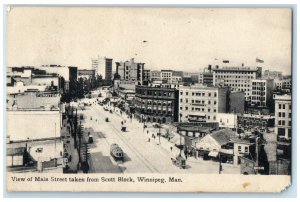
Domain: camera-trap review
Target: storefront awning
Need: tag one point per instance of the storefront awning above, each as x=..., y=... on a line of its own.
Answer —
x=213, y=153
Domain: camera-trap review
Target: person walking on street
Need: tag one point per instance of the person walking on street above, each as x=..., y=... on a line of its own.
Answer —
x=171, y=148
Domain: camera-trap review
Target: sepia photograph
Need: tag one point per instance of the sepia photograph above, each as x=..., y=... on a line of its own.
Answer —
x=148, y=98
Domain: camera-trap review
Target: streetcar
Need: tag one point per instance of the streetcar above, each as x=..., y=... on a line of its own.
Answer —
x=116, y=152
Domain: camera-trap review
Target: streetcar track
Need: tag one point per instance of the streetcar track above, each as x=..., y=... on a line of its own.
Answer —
x=138, y=154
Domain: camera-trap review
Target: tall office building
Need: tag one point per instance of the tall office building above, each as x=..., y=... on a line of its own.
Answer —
x=283, y=115
x=108, y=68
x=96, y=65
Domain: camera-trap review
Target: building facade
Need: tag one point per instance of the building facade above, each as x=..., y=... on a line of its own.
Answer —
x=250, y=122
x=156, y=104
x=262, y=93
x=108, y=68
x=283, y=115
x=199, y=103
x=130, y=71
x=237, y=78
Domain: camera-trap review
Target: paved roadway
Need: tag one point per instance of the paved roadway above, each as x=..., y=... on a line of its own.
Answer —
x=141, y=156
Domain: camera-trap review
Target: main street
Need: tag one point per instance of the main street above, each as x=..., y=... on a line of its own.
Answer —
x=141, y=156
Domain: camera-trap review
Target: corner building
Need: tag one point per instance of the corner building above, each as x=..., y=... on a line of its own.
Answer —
x=154, y=104
x=199, y=103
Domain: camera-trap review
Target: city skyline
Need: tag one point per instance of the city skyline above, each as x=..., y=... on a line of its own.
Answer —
x=162, y=38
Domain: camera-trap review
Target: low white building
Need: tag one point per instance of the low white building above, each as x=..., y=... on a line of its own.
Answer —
x=25, y=125
x=227, y=120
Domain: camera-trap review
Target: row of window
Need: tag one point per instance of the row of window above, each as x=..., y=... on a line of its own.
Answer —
x=235, y=72
x=282, y=123
x=199, y=101
x=199, y=109
x=240, y=149
x=282, y=114
x=258, y=93
x=156, y=111
x=200, y=94
x=258, y=98
x=283, y=106
x=156, y=93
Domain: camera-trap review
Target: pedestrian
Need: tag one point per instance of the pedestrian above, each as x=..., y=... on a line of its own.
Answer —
x=147, y=131
x=149, y=139
x=171, y=148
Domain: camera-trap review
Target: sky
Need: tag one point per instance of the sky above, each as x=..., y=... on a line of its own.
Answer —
x=186, y=39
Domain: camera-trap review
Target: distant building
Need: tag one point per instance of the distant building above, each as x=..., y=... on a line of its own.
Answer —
x=237, y=78
x=62, y=71
x=272, y=75
x=283, y=115
x=131, y=71
x=146, y=76
x=262, y=93
x=201, y=103
x=251, y=122
x=108, y=68
x=95, y=64
x=85, y=73
x=156, y=104
x=73, y=79
x=227, y=120
x=155, y=75
x=237, y=102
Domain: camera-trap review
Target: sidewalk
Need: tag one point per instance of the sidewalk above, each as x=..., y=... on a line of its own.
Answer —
x=69, y=147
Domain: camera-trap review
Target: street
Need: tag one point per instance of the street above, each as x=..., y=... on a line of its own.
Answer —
x=141, y=156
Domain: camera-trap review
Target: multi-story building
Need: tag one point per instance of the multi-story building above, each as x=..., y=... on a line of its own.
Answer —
x=130, y=71
x=202, y=103
x=237, y=78
x=156, y=104
x=108, y=68
x=262, y=93
x=146, y=76
x=283, y=115
x=95, y=64
x=169, y=76
x=85, y=73
x=155, y=75
x=272, y=75
x=237, y=102
x=250, y=122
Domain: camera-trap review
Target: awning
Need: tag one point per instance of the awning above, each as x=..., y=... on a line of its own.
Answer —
x=213, y=153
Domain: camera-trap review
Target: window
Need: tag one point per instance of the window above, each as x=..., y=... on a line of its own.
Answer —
x=283, y=114
x=283, y=122
x=279, y=122
x=246, y=149
x=279, y=106
x=187, y=93
x=239, y=148
x=283, y=106
x=186, y=108
x=279, y=114
x=290, y=115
